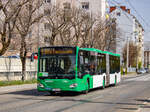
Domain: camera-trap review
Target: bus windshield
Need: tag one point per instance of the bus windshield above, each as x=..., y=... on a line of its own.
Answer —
x=58, y=65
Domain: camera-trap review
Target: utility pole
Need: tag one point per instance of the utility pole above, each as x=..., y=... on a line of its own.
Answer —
x=38, y=43
x=91, y=31
x=127, y=53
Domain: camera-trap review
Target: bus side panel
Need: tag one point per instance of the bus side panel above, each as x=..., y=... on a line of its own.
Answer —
x=118, y=77
x=98, y=81
x=112, y=78
x=85, y=83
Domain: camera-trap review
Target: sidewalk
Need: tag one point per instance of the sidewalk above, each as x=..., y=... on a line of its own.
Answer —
x=7, y=89
x=129, y=75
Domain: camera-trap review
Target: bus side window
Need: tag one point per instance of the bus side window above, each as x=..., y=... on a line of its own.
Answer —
x=101, y=67
x=81, y=64
x=98, y=66
x=92, y=66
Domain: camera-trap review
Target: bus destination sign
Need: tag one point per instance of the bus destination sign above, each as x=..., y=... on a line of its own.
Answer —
x=56, y=51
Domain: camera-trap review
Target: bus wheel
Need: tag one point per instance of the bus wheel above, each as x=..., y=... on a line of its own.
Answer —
x=88, y=85
x=103, y=83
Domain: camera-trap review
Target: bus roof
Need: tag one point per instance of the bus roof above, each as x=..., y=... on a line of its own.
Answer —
x=58, y=47
x=86, y=49
x=99, y=51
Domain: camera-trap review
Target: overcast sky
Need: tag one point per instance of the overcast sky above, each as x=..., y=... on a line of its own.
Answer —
x=138, y=8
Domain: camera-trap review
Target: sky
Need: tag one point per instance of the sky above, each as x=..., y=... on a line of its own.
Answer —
x=140, y=9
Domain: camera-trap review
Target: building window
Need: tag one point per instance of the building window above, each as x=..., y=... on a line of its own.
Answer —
x=118, y=14
x=67, y=5
x=46, y=11
x=85, y=5
x=46, y=26
x=47, y=1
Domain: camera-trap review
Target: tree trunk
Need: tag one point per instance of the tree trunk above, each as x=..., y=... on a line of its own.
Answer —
x=5, y=44
x=23, y=61
x=23, y=53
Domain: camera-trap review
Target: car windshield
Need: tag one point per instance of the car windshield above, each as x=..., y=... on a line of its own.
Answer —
x=58, y=65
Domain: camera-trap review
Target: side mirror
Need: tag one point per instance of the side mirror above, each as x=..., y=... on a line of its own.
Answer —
x=32, y=57
x=79, y=75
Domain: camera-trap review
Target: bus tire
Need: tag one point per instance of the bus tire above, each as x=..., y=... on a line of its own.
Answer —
x=103, y=83
x=88, y=85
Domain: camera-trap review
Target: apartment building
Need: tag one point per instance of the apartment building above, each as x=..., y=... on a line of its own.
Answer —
x=130, y=31
x=147, y=54
x=97, y=8
x=139, y=37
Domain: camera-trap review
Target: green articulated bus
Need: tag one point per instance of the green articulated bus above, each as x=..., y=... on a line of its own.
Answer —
x=64, y=68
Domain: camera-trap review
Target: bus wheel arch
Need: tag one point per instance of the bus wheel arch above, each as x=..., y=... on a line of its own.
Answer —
x=87, y=86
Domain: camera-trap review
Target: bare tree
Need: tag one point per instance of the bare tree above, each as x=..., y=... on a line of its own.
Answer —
x=55, y=22
x=106, y=35
x=28, y=16
x=87, y=38
x=133, y=52
x=9, y=10
x=78, y=26
x=110, y=35
x=99, y=35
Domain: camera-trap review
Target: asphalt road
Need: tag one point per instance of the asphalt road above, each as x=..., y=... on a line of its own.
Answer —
x=131, y=95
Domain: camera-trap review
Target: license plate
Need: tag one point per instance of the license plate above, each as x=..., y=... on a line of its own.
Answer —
x=57, y=89
x=48, y=88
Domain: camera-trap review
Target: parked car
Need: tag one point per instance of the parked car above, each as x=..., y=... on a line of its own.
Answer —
x=141, y=71
x=147, y=70
x=14, y=56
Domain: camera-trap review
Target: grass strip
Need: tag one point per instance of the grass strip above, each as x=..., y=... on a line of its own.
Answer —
x=17, y=82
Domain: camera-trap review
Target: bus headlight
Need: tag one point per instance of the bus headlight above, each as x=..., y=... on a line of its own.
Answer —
x=73, y=85
x=40, y=85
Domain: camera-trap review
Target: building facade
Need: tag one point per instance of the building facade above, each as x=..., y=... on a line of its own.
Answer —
x=96, y=8
x=147, y=54
x=130, y=31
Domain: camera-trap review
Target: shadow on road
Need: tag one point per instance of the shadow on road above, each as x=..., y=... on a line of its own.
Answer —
x=31, y=92
x=128, y=108
x=144, y=101
x=34, y=92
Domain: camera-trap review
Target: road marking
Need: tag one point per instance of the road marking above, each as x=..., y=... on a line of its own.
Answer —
x=142, y=78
